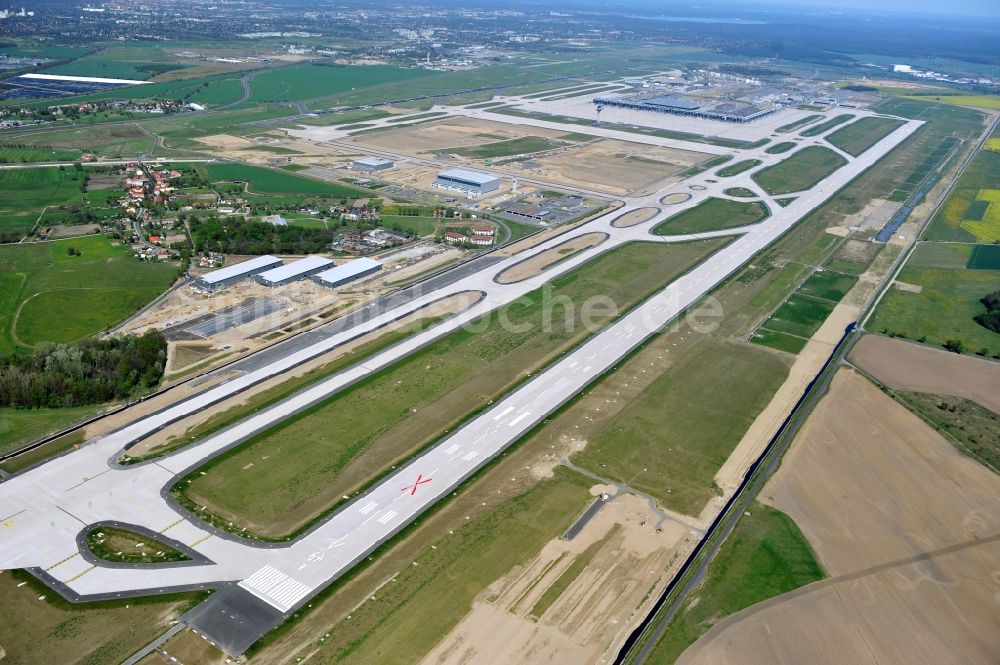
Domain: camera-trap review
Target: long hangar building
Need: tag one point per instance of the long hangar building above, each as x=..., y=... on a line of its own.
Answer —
x=293, y=271
x=470, y=183
x=220, y=279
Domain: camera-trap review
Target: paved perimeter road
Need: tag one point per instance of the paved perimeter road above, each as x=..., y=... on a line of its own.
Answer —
x=42, y=510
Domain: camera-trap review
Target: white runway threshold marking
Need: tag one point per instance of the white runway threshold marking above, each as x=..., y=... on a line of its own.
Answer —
x=275, y=587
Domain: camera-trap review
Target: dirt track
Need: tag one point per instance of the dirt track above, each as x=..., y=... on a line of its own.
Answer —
x=903, y=365
x=907, y=527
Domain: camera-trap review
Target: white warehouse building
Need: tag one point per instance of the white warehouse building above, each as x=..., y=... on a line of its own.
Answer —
x=220, y=279
x=294, y=271
x=470, y=183
x=370, y=164
x=347, y=272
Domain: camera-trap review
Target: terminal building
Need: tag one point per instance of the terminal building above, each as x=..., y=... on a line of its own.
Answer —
x=220, y=279
x=348, y=272
x=726, y=112
x=371, y=164
x=293, y=271
x=470, y=183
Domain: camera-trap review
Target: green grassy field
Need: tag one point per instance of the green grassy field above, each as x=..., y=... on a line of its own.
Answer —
x=984, y=257
x=64, y=298
x=859, y=136
x=779, y=148
x=671, y=440
x=56, y=631
x=428, y=599
x=20, y=426
x=737, y=168
x=216, y=93
x=336, y=447
x=309, y=81
x=420, y=226
x=765, y=556
x=778, y=341
x=948, y=299
x=828, y=285
x=802, y=170
x=27, y=191
x=266, y=181
x=12, y=154
x=816, y=130
x=800, y=315
x=801, y=122
x=522, y=145
x=713, y=214
x=740, y=192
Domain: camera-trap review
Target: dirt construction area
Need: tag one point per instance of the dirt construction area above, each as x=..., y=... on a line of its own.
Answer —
x=904, y=365
x=577, y=598
x=540, y=262
x=458, y=132
x=906, y=527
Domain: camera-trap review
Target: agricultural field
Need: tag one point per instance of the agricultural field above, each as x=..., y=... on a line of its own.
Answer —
x=799, y=172
x=828, y=285
x=800, y=316
x=53, y=630
x=991, y=102
x=309, y=81
x=217, y=93
x=359, y=432
x=765, y=556
x=713, y=214
x=737, y=168
x=15, y=154
x=418, y=226
x=859, y=136
x=944, y=302
x=48, y=295
x=267, y=181
x=972, y=211
x=119, y=140
x=816, y=130
x=974, y=428
x=27, y=192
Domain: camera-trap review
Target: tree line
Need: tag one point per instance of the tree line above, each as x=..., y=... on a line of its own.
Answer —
x=90, y=372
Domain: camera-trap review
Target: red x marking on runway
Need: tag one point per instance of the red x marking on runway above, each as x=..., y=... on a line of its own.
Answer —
x=420, y=481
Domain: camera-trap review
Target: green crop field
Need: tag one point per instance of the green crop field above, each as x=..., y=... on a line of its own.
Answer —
x=711, y=215
x=801, y=122
x=266, y=181
x=690, y=419
x=984, y=257
x=962, y=217
x=778, y=340
x=800, y=315
x=737, y=168
x=524, y=144
x=309, y=81
x=223, y=91
x=117, y=69
x=816, y=130
x=859, y=136
x=765, y=556
x=334, y=448
x=800, y=171
x=828, y=285
x=779, y=148
x=947, y=302
x=48, y=295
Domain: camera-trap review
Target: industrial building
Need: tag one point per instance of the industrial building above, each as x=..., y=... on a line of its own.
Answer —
x=220, y=279
x=370, y=164
x=294, y=271
x=471, y=183
x=533, y=212
x=348, y=272
x=726, y=111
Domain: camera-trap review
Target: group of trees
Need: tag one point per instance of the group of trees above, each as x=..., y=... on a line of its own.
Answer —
x=990, y=319
x=90, y=372
x=235, y=235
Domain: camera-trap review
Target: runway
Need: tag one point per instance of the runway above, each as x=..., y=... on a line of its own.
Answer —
x=43, y=509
